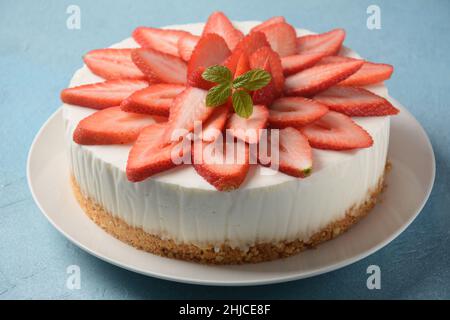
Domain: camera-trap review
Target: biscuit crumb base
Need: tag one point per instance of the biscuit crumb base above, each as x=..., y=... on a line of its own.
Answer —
x=142, y=240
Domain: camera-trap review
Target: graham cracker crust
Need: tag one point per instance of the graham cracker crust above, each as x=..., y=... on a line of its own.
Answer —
x=142, y=240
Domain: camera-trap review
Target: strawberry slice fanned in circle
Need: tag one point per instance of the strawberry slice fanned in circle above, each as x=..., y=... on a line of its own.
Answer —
x=249, y=130
x=102, y=95
x=319, y=78
x=210, y=161
x=355, y=102
x=210, y=50
x=242, y=65
x=219, y=24
x=282, y=38
x=148, y=157
x=154, y=100
x=268, y=22
x=213, y=127
x=295, y=63
x=336, y=131
x=160, y=67
x=163, y=40
x=186, y=46
x=265, y=58
x=188, y=108
x=293, y=153
x=112, y=64
x=370, y=72
x=328, y=43
x=252, y=42
x=295, y=112
x=112, y=126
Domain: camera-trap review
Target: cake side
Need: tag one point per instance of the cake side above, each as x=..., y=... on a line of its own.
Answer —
x=223, y=253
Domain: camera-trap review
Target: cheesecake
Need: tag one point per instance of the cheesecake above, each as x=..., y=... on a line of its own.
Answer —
x=329, y=106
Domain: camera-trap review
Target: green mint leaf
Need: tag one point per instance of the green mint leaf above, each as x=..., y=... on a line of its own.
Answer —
x=217, y=74
x=218, y=95
x=240, y=81
x=242, y=103
x=253, y=80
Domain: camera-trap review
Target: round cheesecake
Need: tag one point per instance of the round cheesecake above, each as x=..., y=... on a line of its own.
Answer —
x=272, y=215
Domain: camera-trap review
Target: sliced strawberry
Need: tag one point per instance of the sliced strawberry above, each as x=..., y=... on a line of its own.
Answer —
x=334, y=59
x=370, y=72
x=282, y=38
x=266, y=95
x=242, y=66
x=154, y=100
x=336, y=131
x=294, y=154
x=160, y=67
x=265, y=58
x=186, y=46
x=267, y=23
x=252, y=42
x=328, y=43
x=295, y=112
x=195, y=79
x=232, y=61
x=159, y=39
x=215, y=124
x=210, y=161
x=102, y=95
x=261, y=60
x=355, y=102
x=218, y=23
x=210, y=50
x=147, y=157
x=111, y=126
x=112, y=64
x=249, y=130
x=299, y=62
x=188, y=108
x=238, y=62
x=319, y=78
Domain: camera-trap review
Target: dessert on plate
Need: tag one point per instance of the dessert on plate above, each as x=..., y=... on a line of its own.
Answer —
x=227, y=142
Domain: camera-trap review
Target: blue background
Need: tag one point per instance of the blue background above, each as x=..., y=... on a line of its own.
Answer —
x=38, y=55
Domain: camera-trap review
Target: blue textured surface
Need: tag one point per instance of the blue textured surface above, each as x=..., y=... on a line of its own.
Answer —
x=38, y=55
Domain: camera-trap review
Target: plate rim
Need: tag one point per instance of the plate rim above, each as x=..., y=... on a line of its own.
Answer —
x=271, y=280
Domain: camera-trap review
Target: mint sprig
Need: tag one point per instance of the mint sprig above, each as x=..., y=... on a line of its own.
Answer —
x=239, y=89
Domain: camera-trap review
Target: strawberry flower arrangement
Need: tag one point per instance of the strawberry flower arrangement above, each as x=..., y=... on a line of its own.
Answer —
x=268, y=80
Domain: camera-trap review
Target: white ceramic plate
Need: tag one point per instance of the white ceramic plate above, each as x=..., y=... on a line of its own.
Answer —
x=409, y=185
